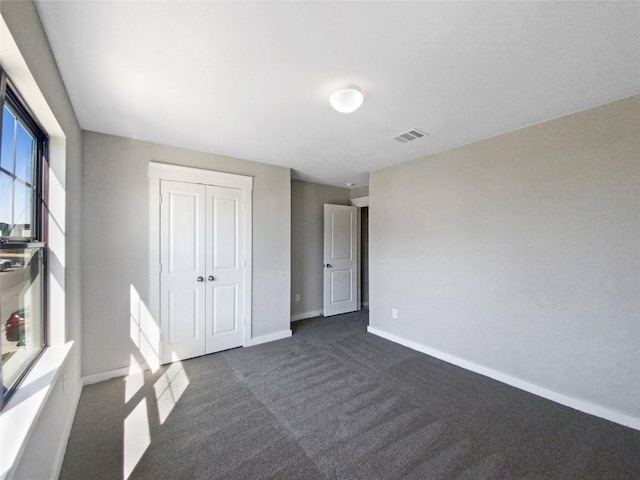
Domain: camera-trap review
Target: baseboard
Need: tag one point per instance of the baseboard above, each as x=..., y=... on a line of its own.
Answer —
x=303, y=315
x=66, y=432
x=271, y=337
x=577, y=404
x=108, y=375
x=124, y=371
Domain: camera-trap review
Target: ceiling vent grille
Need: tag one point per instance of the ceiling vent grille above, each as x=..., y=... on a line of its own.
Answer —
x=410, y=135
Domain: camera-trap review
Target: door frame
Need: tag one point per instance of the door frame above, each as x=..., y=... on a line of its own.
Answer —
x=164, y=171
x=360, y=202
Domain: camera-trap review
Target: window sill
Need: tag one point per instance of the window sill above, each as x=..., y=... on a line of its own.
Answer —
x=21, y=413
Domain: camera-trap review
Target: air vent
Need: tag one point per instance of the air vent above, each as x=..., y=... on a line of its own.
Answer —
x=410, y=135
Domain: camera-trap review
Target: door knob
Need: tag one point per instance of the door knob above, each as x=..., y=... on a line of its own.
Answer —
x=201, y=279
x=211, y=279
x=328, y=265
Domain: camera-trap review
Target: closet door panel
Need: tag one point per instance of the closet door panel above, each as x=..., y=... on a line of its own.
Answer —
x=224, y=302
x=225, y=233
x=225, y=268
x=183, y=253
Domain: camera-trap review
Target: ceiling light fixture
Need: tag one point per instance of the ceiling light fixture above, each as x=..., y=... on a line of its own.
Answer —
x=347, y=100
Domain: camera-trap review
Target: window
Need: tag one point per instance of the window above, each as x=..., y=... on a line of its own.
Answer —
x=23, y=211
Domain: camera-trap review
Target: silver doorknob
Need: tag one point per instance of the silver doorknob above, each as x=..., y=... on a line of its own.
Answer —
x=211, y=279
x=201, y=279
x=328, y=265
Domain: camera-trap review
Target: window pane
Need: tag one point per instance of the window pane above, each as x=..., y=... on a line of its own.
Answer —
x=22, y=267
x=25, y=149
x=22, y=210
x=21, y=294
x=8, y=132
x=6, y=204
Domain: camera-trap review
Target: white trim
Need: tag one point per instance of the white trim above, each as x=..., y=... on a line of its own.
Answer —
x=23, y=409
x=66, y=433
x=179, y=173
x=575, y=403
x=303, y=315
x=17, y=69
x=163, y=171
x=360, y=201
x=270, y=337
x=248, y=267
x=110, y=374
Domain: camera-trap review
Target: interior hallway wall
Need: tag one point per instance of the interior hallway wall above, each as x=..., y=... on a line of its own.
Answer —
x=116, y=234
x=521, y=254
x=307, y=240
x=356, y=192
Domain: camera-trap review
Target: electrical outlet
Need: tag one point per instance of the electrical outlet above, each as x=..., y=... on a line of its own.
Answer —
x=297, y=297
x=394, y=313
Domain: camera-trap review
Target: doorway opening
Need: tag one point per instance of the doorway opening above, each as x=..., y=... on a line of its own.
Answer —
x=364, y=257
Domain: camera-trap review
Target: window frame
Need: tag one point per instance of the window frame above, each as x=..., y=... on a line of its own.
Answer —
x=10, y=96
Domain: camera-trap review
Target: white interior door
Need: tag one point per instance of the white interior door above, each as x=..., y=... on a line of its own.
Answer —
x=225, y=268
x=340, y=259
x=199, y=260
x=182, y=282
x=203, y=265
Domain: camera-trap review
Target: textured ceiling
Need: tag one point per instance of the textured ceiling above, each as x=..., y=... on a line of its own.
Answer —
x=252, y=80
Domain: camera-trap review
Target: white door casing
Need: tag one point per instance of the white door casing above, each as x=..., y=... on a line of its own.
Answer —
x=340, y=259
x=216, y=313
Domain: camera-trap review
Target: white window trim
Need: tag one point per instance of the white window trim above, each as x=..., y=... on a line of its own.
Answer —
x=20, y=415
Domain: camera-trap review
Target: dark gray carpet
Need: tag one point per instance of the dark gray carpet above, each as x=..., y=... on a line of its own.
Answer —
x=334, y=402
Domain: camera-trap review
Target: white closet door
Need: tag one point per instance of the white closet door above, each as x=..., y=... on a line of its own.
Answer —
x=225, y=234
x=182, y=279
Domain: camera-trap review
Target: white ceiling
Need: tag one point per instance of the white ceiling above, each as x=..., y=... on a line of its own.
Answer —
x=252, y=80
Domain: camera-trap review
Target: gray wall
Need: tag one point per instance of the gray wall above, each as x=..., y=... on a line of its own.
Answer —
x=356, y=192
x=116, y=235
x=49, y=434
x=521, y=253
x=307, y=238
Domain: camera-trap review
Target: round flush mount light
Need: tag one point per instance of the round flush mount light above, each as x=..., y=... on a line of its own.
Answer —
x=347, y=100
